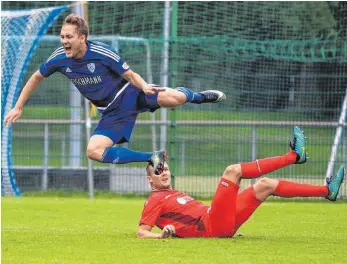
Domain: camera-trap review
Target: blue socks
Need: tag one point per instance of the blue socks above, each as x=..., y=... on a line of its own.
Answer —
x=192, y=97
x=117, y=155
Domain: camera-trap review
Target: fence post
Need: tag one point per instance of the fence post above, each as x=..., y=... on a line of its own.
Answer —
x=44, y=181
x=174, y=146
x=164, y=80
x=75, y=107
x=63, y=151
x=183, y=158
x=254, y=146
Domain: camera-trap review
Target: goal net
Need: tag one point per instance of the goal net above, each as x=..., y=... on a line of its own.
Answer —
x=20, y=33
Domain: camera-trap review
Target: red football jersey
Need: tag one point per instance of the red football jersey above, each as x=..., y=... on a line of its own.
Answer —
x=174, y=208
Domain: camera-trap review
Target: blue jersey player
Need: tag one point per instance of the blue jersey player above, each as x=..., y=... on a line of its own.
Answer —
x=119, y=93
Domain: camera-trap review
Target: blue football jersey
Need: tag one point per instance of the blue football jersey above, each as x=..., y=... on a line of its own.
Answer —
x=97, y=75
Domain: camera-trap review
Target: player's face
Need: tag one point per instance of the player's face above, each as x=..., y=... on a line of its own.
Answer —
x=162, y=181
x=73, y=43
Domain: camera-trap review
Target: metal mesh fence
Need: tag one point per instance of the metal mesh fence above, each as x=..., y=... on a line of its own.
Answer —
x=276, y=61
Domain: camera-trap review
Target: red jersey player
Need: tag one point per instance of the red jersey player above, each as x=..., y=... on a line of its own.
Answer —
x=178, y=214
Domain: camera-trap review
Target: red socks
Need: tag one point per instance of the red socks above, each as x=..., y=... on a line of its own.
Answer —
x=260, y=167
x=292, y=189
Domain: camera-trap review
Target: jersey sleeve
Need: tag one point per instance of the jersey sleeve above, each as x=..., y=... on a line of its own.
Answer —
x=50, y=66
x=115, y=62
x=47, y=68
x=151, y=212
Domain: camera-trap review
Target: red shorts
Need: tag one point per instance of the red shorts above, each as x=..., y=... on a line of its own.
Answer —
x=229, y=210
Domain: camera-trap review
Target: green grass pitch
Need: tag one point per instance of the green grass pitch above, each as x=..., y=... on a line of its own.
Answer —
x=78, y=230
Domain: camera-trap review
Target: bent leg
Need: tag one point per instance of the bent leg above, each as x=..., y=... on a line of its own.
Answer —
x=246, y=204
x=97, y=145
x=222, y=211
x=251, y=198
x=100, y=148
x=223, y=207
x=115, y=127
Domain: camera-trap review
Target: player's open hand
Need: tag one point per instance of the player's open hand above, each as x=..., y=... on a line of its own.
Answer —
x=168, y=231
x=153, y=89
x=12, y=116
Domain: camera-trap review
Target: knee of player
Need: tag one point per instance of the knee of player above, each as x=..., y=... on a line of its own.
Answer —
x=94, y=152
x=179, y=97
x=266, y=184
x=233, y=171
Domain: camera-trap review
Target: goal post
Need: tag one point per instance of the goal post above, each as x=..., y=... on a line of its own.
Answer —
x=337, y=139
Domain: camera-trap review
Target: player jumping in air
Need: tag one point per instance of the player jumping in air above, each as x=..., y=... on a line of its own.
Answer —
x=119, y=93
x=178, y=214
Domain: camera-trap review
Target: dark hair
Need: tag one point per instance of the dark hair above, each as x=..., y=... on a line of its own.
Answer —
x=149, y=169
x=78, y=21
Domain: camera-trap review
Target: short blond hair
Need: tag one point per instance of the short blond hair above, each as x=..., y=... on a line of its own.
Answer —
x=78, y=21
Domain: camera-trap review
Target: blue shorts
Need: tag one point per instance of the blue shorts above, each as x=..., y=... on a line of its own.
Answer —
x=118, y=120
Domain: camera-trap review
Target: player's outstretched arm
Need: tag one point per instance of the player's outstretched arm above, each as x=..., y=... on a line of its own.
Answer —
x=145, y=232
x=28, y=89
x=136, y=80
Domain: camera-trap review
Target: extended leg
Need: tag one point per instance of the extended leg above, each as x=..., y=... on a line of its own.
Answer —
x=260, y=167
x=250, y=199
x=181, y=95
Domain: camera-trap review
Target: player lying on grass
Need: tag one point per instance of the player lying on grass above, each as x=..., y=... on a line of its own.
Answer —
x=178, y=214
x=118, y=92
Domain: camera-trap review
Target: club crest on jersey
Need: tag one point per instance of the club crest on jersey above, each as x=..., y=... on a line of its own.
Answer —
x=91, y=67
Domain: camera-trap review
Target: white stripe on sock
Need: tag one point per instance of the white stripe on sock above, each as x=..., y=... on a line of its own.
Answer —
x=258, y=166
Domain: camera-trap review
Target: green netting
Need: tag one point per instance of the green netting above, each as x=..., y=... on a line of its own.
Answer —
x=276, y=61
